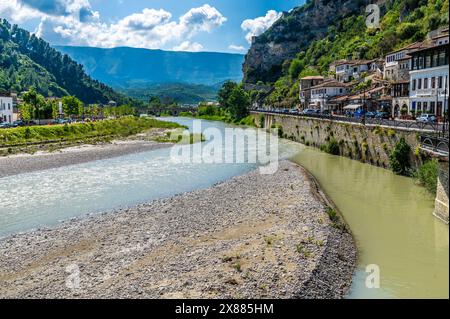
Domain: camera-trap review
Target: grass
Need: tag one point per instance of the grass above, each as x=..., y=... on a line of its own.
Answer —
x=177, y=136
x=109, y=128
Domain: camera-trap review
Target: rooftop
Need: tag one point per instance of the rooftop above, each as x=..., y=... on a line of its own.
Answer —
x=330, y=83
x=313, y=77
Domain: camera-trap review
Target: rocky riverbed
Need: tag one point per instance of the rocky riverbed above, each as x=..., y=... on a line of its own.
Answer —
x=255, y=236
x=65, y=155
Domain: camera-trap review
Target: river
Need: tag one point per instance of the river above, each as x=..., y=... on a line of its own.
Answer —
x=390, y=217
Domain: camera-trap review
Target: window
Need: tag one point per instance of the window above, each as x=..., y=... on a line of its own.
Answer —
x=440, y=82
x=419, y=106
x=425, y=83
x=419, y=85
x=414, y=84
x=433, y=82
x=433, y=107
x=442, y=58
x=428, y=61
x=421, y=62
x=425, y=106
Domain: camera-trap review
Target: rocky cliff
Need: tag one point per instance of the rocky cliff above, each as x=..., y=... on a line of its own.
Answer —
x=292, y=33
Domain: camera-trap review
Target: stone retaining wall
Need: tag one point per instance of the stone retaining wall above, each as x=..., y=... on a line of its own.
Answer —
x=441, y=207
x=370, y=144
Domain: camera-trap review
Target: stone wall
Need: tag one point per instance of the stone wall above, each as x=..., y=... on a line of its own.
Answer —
x=369, y=144
x=441, y=207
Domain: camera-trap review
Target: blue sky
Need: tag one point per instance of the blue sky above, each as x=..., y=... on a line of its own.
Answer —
x=189, y=25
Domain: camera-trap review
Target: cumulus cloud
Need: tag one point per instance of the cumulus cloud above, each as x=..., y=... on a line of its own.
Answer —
x=255, y=27
x=188, y=46
x=73, y=22
x=238, y=48
x=82, y=8
x=146, y=20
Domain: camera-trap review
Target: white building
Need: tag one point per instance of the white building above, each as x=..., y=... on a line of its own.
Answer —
x=347, y=70
x=6, y=109
x=396, y=65
x=322, y=93
x=344, y=71
x=429, y=87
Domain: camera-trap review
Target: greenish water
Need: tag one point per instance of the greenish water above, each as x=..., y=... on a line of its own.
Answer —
x=392, y=222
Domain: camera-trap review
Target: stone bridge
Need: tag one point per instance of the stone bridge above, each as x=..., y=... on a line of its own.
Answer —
x=173, y=111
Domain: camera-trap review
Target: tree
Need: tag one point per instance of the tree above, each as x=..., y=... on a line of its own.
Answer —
x=399, y=158
x=225, y=93
x=34, y=102
x=71, y=105
x=239, y=103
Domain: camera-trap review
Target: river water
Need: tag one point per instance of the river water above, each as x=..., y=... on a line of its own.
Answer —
x=390, y=217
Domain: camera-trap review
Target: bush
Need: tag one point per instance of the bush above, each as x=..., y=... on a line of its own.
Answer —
x=399, y=158
x=332, y=147
x=427, y=175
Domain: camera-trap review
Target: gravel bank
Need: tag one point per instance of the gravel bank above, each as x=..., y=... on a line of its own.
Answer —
x=255, y=236
x=26, y=163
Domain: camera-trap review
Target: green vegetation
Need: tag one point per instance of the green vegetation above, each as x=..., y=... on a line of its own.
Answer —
x=399, y=158
x=332, y=147
x=235, y=100
x=111, y=128
x=402, y=22
x=427, y=175
x=173, y=92
x=332, y=214
x=27, y=61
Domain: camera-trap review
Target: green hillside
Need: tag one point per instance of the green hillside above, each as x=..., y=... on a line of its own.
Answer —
x=402, y=22
x=26, y=60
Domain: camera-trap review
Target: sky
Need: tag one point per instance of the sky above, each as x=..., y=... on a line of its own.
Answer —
x=180, y=25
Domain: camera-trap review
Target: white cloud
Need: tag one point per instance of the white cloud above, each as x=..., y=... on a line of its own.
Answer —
x=147, y=20
x=73, y=22
x=188, y=46
x=255, y=27
x=234, y=47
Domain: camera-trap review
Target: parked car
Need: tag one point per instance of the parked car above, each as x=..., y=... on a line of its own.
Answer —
x=382, y=115
x=293, y=111
x=371, y=115
x=309, y=112
x=19, y=123
x=427, y=118
x=5, y=125
x=359, y=113
x=61, y=121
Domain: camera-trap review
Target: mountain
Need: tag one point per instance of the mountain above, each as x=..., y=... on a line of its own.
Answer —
x=125, y=67
x=26, y=60
x=310, y=37
x=292, y=33
x=182, y=93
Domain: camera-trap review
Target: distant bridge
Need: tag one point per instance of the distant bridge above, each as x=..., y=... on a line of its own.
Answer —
x=173, y=111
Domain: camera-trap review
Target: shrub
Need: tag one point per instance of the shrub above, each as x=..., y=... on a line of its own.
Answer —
x=399, y=158
x=333, y=147
x=427, y=175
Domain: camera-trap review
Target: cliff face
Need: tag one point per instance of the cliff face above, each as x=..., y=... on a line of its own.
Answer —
x=292, y=33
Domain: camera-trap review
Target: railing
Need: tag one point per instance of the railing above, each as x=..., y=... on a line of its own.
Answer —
x=437, y=143
x=422, y=126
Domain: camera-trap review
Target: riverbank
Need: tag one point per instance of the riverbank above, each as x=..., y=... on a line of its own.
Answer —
x=82, y=153
x=255, y=236
x=49, y=138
